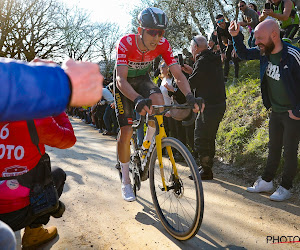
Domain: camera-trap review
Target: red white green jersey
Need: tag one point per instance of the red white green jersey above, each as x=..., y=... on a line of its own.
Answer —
x=139, y=62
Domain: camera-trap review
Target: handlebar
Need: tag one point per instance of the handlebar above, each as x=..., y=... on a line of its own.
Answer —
x=156, y=108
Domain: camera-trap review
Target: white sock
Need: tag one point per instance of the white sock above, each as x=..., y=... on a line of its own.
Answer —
x=125, y=173
x=149, y=135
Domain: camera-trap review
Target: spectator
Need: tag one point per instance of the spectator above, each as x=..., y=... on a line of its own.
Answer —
x=166, y=83
x=207, y=78
x=101, y=107
x=280, y=87
x=285, y=12
x=250, y=18
x=26, y=169
x=225, y=42
x=51, y=97
x=109, y=114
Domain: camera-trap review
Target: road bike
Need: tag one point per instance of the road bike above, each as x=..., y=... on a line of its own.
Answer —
x=178, y=199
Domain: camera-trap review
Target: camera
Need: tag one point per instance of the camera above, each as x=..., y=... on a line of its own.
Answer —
x=267, y=6
x=180, y=59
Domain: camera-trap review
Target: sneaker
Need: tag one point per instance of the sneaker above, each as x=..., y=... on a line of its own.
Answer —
x=281, y=194
x=206, y=174
x=107, y=133
x=127, y=192
x=261, y=186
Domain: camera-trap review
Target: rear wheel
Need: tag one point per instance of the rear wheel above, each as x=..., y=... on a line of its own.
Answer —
x=180, y=208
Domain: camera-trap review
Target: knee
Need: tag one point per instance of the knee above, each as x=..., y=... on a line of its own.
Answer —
x=59, y=175
x=125, y=134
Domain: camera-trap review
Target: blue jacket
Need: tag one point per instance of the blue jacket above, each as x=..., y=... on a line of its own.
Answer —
x=289, y=69
x=28, y=91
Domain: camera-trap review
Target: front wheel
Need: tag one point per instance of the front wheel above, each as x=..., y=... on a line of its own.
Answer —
x=180, y=208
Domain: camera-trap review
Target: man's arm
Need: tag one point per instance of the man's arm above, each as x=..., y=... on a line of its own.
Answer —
x=288, y=5
x=38, y=90
x=184, y=86
x=180, y=79
x=197, y=74
x=123, y=85
x=238, y=43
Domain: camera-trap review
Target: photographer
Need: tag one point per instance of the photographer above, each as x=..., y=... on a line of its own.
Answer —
x=285, y=12
x=206, y=77
x=26, y=174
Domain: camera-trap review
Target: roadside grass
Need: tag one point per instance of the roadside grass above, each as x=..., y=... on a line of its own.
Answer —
x=242, y=139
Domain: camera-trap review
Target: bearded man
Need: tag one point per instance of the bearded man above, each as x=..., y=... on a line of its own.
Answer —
x=280, y=87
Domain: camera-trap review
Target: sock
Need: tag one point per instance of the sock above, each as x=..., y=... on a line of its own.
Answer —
x=148, y=137
x=125, y=173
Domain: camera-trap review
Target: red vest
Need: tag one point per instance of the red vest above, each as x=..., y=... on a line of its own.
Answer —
x=18, y=154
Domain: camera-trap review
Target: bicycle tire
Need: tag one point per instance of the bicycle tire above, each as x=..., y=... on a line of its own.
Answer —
x=190, y=204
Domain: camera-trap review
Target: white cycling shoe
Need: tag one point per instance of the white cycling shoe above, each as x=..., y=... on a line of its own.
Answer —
x=127, y=192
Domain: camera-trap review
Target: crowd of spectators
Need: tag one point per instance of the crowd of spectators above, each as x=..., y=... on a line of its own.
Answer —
x=102, y=115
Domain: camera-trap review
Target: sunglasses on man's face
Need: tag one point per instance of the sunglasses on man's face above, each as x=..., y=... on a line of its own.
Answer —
x=241, y=6
x=221, y=21
x=153, y=32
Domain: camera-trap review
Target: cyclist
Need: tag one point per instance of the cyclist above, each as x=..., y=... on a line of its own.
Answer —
x=134, y=88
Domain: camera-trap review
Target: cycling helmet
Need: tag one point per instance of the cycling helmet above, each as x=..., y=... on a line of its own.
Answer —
x=153, y=18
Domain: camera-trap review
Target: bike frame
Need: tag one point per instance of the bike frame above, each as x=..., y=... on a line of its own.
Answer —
x=158, y=140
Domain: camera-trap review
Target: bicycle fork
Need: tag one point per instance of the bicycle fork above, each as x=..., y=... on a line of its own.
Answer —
x=158, y=140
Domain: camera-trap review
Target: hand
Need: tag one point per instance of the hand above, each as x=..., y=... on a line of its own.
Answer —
x=292, y=116
x=112, y=105
x=223, y=57
x=168, y=114
x=86, y=81
x=232, y=31
x=141, y=105
x=187, y=69
x=191, y=100
x=169, y=87
x=233, y=54
x=268, y=12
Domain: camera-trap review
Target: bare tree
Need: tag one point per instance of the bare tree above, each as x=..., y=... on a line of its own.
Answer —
x=108, y=34
x=79, y=34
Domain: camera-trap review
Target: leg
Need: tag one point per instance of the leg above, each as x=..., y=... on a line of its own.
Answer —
x=275, y=146
x=123, y=146
x=205, y=135
x=106, y=118
x=291, y=136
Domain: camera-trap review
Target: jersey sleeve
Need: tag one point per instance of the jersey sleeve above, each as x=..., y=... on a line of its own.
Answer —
x=167, y=52
x=122, y=51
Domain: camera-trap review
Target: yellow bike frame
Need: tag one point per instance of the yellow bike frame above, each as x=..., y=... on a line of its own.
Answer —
x=158, y=140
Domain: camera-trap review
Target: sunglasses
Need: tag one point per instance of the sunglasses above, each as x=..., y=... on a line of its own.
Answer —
x=220, y=21
x=153, y=32
x=241, y=6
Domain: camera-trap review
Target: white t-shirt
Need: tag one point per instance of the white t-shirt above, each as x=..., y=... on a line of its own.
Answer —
x=164, y=90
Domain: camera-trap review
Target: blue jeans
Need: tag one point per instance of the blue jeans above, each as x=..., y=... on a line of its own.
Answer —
x=283, y=132
x=110, y=117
